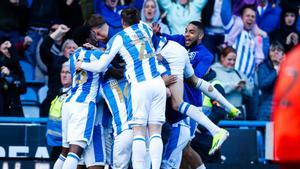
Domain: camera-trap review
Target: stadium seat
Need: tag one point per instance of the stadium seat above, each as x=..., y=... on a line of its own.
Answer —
x=42, y=93
x=30, y=103
x=28, y=70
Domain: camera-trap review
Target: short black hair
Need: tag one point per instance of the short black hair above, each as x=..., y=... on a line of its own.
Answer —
x=131, y=16
x=95, y=20
x=249, y=6
x=198, y=24
x=277, y=45
x=81, y=34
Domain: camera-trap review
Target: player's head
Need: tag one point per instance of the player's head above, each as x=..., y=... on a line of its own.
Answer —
x=193, y=33
x=99, y=26
x=130, y=16
x=84, y=34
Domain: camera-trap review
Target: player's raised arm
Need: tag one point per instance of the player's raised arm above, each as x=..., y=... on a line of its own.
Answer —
x=100, y=65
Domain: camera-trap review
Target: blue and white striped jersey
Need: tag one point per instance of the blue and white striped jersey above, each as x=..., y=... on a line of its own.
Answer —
x=85, y=84
x=245, y=46
x=135, y=47
x=117, y=96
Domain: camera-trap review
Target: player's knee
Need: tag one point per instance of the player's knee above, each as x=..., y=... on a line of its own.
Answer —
x=65, y=151
x=77, y=149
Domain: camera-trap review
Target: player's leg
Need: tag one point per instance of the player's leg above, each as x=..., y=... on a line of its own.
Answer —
x=189, y=109
x=155, y=145
x=139, y=146
x=192, y=157
x=94, y=154
x=220, y=135
x=141, y=101
x=180, y=136
x=73, y=157
x=65, y=145
x=211, y=92
x=122, y=147
x=80, y=130
x=155, y=121
x=61, y=159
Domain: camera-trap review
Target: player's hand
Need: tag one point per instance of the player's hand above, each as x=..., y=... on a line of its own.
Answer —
x=78, y=65
x=5, y=70
x=155, y=28
x=89, y=46
x=170, y=79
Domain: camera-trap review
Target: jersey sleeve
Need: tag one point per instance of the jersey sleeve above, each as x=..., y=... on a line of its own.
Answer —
x=113, y=47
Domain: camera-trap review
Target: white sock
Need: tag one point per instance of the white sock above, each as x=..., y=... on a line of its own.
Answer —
x=201, y=167
x=196, y=114
x=156, y=149
x=59, y=162
x=214, y=94
x=71, y=161
x=138, y=152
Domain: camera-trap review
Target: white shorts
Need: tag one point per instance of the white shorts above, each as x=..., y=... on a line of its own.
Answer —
x=94, y=154
x=148, y=102
x=78, y=122
x=179, y=138
x=122, y=149
x=178, y=60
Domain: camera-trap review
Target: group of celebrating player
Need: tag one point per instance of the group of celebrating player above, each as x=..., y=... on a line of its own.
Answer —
x=155, y=68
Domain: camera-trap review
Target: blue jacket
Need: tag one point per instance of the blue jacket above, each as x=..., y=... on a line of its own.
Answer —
x=270, y=18
x=267, y=76
x=113, y=17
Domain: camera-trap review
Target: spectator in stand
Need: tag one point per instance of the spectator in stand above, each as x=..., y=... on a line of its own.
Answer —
x=287, y=34
x=53, y=63
x=267, y=76
x=234, y=82
x=268, y=15
x=214, y=29
x=54, y=129
x=42, y=13
x=12, y=81
x=110, y=10
x=247, y=39
x=181, y=12
x=151, y=15
x=12, y=20
x=71, y=13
